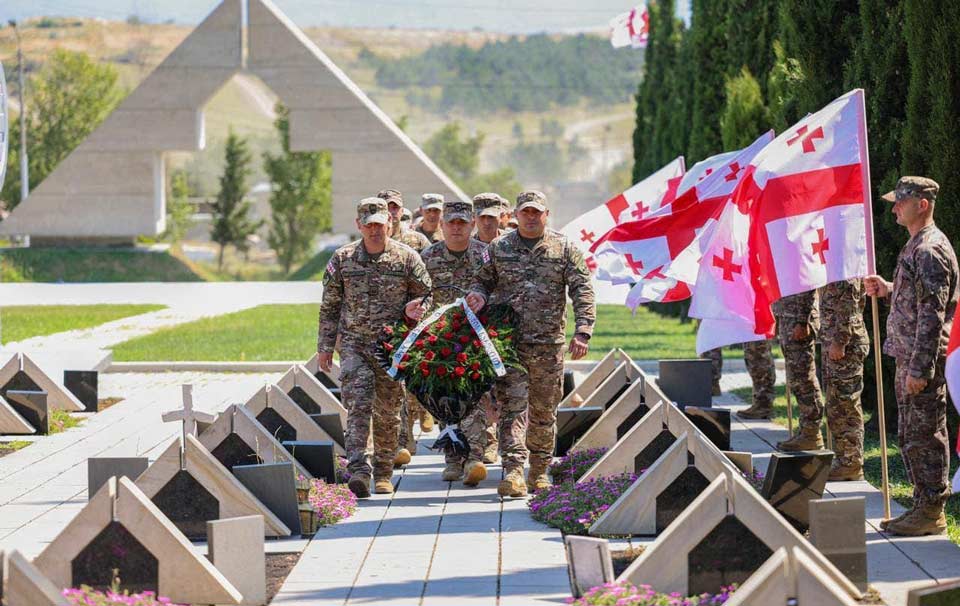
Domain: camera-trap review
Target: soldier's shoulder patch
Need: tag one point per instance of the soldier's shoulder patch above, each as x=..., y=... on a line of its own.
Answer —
x=485, y=255
x=331, y=268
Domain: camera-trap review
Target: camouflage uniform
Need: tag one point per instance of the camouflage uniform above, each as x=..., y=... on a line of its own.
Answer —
x=758, y=356
x=448, y=269
x=922, y=306
x=716, y=362
x=489, y=204
x=431, y=201
x=800, y=356
x=535, y=282
x=841, y=313
x=414, y=239
x=361, y=294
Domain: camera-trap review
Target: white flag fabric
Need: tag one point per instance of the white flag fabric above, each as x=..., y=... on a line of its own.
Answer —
x=953, y=380
x=631, y=28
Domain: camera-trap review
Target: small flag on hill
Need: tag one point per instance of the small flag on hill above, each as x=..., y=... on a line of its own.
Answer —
x=631, y=28
x=953, y=380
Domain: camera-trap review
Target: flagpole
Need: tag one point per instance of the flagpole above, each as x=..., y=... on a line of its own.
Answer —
x=874, y=308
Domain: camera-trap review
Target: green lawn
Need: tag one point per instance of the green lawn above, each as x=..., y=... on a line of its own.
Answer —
x=900, y=489
x=92, y=265
x=289, y=332
x=25, y=321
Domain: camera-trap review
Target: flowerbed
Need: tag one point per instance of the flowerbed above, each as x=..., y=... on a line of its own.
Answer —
x=86, y=596
x=573, y=465
x=574, y=506
x=626, y=594
x=331, y=502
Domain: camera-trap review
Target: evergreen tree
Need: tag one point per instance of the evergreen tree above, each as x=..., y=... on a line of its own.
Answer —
x=783, y=84
x=644, y=152
x=68, y=98
x=709, y=62
x=179, y=208
x=751, y=29
x=666, y=146
x=300, y=196
x=231, y=221
x=744, y=115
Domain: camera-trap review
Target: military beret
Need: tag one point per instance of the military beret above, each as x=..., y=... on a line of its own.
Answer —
x=372, y=210
x=532, y=198
x=913, y=186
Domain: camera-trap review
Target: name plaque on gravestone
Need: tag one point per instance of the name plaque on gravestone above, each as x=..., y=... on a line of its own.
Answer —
x=678, y=495
x=316, y=456
x=188, y=505
x=101, y=469
x=687, y=382
x=729, y=554
x=331, y=423
x=116, y=549
x=278, y=427
x=713, y=422
x=33, y=407
x=304, y=401
x=793, y=480
x=84, y=385
x=572, y=423
x=648, y=456
x=275, y=486
x=233, y=451
x=632, y=419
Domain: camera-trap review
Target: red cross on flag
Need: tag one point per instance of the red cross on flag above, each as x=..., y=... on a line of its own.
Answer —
x=631, y=28
x=645, y=197
x=808, y=196
x=953, y=380
x=671, y=236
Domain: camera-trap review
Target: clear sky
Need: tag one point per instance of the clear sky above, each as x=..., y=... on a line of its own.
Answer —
x=514, y=16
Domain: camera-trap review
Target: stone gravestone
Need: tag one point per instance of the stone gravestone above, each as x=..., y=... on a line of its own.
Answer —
x=791, y=576
x=285, y=420
x=331, y=423
x=713, y=422
x=572, y=424
x=943, y=593
x=721, y=537
x=33, y=407
x=101, y=469
x=120, y=529
x=793, y=480
x=22, y=374
x=588, y=563
x=11, y=422
x=687, y=382
x=21, y=584
x=276, y=487
x=236, y=548
x=317, y=457
x=838, y=529
x=83, y=385
x=597, y=375
x=617, y=419
x=309, y=393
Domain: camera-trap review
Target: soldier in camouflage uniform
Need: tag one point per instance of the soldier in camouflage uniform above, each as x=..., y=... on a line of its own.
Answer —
x=844, y=345
x=454, y=262
x=491, y=209
x=923, y=299
x=758, y=356
x=367, y=284
x=533, y=269
x=411, y=407
x=431, y=206
x=406, y=218
x=798, y=321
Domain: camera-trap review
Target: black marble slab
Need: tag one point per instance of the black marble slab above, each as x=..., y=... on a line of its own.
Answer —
x=687, y=382
x=729, y=554
x=115, y=548
x=33, y=407
x=84, y=385
x=713, y=422
x=188, y=504
x=317, y=457
x=793, y=480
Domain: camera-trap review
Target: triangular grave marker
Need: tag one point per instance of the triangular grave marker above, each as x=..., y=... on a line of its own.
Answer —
x=281, y=416
x=300, y=381
x=595, y=378
x=790, y=574
x=616, y=420
x=22, y=373
x=11, y=423
x=22, y=584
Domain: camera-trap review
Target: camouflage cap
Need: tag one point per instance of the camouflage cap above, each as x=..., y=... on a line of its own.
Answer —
x=372, y=210
x=532, y=198
x=489, y=204
x=512, y=222
x=458, y=209
x=431, y=201
x=913, y=186
x=406, y=215
x=391, y=195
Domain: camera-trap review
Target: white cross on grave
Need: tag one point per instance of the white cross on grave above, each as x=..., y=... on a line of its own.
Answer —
x=188, y=415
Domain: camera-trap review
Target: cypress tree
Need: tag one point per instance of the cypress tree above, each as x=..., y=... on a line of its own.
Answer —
x=231, y=211
x=709, y=64
x=751, y=28
x=649, y=94
x=665, y=147
x=744, y=115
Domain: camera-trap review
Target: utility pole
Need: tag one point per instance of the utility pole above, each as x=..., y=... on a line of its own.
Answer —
x=24, y=167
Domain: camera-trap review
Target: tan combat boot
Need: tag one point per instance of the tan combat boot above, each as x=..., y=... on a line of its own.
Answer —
x=359, y=485
x=921, y=521
x=474, y=473
x=490, y=453
x=382, y=486
x=716, y=391
x=845, y=473
x=426, y=421
x=401, y=458
x=537, y=478
x=885, y=523
x=452, y=472
x=512, y=485
x=756, y=411
x=806, y=439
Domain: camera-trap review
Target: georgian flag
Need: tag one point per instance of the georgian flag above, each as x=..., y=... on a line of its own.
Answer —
x=808, y=197
x=631, y=28
x=642, y=198
x=953, y=379
x=650, y=250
